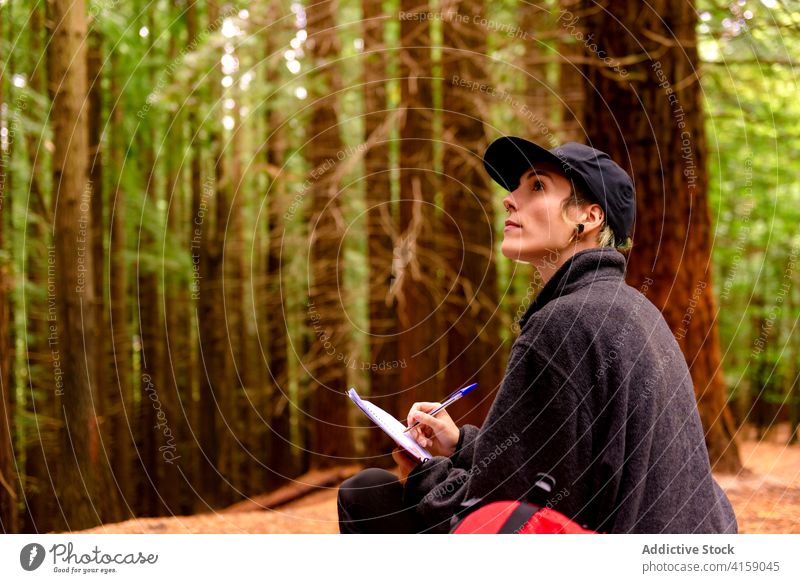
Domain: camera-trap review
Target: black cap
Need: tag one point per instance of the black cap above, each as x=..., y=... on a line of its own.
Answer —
x=507, y=158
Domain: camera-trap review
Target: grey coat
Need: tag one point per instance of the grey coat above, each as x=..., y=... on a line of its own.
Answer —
x=596, y=397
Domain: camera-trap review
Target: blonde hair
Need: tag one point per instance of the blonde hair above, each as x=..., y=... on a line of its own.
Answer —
x=605, y=238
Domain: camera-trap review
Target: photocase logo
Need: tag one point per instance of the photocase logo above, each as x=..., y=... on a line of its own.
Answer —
x=31, y=556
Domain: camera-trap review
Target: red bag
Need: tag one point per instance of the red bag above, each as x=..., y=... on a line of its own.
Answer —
x=514, y=517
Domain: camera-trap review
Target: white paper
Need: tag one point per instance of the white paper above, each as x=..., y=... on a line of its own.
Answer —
x=391, y=426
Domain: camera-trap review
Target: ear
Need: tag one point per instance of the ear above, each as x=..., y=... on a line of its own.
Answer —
x=593, y=216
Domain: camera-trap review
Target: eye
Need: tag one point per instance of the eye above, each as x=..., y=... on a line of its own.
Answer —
x=537, y=185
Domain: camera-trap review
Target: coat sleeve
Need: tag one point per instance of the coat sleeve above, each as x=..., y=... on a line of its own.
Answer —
x=536, y=425
x=437, y=489
x=437, y=486
x=465, y=448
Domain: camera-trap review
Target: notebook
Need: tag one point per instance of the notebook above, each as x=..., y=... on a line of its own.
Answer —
x=391, y=426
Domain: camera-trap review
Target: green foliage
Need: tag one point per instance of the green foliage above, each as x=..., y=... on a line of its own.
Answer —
x=752, y=112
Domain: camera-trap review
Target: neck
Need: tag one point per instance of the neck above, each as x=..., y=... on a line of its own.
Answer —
x=552, y=259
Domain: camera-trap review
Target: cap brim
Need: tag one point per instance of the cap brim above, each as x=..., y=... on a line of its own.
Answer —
x=508, y=157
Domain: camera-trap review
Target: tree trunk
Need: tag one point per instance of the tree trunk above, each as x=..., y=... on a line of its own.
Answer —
x=236, y=317
x=384, y=371
x=214, y=384
x=196, y=244
x=152, y=379
x=538, y=97
x=281, y=455
x=9, y=482
x=474, y=349
x=225, y=384
x=415, y=254
x=174, y=363
x=110, y=504
x=330, y=351
x=77, y=485
x=40, y=441
x=648, y=116
x=571, y=87
x=120, y=377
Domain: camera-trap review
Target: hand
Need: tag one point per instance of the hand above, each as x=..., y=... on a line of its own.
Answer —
x=405, y=461
x=439, y=434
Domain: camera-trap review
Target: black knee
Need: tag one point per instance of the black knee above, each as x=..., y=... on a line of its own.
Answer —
x=357, y=486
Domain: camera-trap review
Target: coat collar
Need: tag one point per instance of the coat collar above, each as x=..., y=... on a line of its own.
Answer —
x=576, y=272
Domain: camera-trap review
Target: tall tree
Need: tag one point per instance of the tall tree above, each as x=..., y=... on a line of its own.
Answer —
x=95, y=161
x=236, y=306
x=177, y=393
x=536, y=23
x=330, y=351
x=41, y=442
x=277, y=441
x=384, y=370
x=152, y=376
x=196, y=245
x=120, y=377
x=473, y=337
x=77, y=483
x=416, y=284
x=110, y=503
x=215, y=439
x=644, y=108
x=9, y=518
x=571, y=84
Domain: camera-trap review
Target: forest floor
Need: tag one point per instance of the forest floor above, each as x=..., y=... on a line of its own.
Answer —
x=765, y=496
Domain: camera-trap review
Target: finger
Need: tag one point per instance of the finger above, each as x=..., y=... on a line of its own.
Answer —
x=428, y=407
x=417, y=435
x=432, y=422
x=423, y=406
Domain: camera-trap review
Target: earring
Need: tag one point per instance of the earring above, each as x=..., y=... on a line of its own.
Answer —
x=576, y=236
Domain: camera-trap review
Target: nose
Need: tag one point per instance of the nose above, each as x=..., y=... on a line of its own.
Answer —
x=509, y=203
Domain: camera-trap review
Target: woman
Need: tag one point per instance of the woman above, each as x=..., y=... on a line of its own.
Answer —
x=596, y=416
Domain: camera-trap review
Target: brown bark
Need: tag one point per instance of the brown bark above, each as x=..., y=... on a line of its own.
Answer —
x=474, y=348
x=421, y=346
x=110, y=503
x=541, y=103
x=174, y=363
x=95, y=162
x=225, y=384
x=40, y=400
x=571, y=86
x=384, y=371
x=236, y=317
x=281, y=455
x=77, y=484
x=651, y=121
x=152, y=377
x=326, y=414
x=215, y=438
x=757, y=408
x=9, y=482
x=195, y=236
x=120, y=377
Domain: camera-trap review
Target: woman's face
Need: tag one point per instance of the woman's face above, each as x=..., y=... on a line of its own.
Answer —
x=534, y=227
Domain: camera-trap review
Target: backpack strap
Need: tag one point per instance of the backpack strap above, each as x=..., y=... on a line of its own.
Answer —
x=518, y=518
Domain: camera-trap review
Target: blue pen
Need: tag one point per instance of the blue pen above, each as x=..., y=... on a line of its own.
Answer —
x=447, y=402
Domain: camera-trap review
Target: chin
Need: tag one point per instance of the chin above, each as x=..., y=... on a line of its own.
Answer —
x=514, y=254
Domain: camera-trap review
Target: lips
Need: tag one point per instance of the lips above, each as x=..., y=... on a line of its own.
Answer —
x=511, y=225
